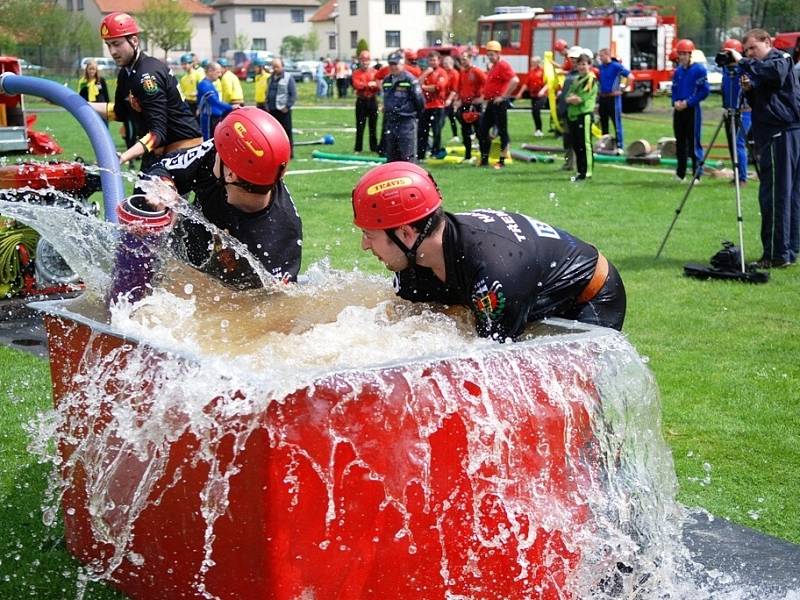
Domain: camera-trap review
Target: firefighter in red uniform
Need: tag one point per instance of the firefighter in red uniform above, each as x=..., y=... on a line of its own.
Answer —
x=147, y=94
x=366, y=88
x=411, y=63
x=508, y=268
x=469, y=103
x=434, y=83
x=453, y=77
x=534, y=84
x=501, y=81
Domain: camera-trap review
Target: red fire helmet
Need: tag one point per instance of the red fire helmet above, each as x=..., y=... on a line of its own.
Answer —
x=394, y=194
x=410, y=54
x=733, y=44
x=684, y=45
x=560, y=45
x=253, y=145
x=118, y=24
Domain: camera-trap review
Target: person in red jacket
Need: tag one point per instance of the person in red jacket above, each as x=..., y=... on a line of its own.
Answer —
x=434, y=83
x=411, y=63
x=453, y=77
x=501, y=81
x=469, y=103
x=366, y=103
x=534, y=85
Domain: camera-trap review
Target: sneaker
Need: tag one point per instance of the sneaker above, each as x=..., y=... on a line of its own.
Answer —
x=770, y=263
x=499, y=165
x=538, y=133
x=741, y=183
x=467, y=161
x=619, y=152
x=577, y=178
x=696, y=181
x=454, y=140
x=680, y=179
x=483, y=163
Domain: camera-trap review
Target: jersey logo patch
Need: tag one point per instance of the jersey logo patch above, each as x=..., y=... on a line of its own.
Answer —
x=489, y=302
x=149, y=84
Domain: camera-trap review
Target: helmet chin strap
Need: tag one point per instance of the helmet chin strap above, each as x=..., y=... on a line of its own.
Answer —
x=411, y=253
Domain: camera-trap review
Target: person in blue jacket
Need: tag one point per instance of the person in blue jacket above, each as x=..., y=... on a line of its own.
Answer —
x=610, y=98
x=210, y=108
x=736, y=111
x=689, y=89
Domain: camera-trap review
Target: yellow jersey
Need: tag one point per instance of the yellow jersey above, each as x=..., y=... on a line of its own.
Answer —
x=231, y=88
x=261, y=87
x=188, y=83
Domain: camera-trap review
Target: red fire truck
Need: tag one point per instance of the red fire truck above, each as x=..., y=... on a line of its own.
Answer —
x=638, y=36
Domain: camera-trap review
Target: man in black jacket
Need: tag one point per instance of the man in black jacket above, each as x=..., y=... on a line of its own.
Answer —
x=772, y=89
x=237, y=181
x=509, y=269
x=147, y=94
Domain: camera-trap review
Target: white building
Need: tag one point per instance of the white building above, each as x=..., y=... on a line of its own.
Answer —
x=200, y=44
x=260, y=24
x=323, y=22
x=387, y=25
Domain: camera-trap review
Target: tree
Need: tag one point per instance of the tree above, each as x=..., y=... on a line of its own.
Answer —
x=241, y=42
x=312, y=43
x=166, y=24
x=292, y=46
x=361, y=46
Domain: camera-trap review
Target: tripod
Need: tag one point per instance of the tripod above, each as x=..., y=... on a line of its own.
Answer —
x=731, y=114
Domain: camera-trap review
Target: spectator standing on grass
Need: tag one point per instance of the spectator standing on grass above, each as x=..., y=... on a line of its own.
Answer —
x=192, y=75
x=469, y=104
x=434, y=83
x=342, y=77
x=260, y=82
x=366, y=88
x=508, y=268
x=534, y=85
x=689, y=89
x=562, y=107
x=611, y=73
x=281, y=97
x=330, y=75
x=737, y=112
x=93, y=87
x=321, y=79
x=772, y=89
x=453, y=77
x=229, y=85
x=210, y=108
x=402, y=106
x=147, y=94
x=581, y=100
x=501, y=81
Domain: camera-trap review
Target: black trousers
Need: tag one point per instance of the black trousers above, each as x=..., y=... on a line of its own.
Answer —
x=536, y=111
x=686, y=125
x=400, y=139
x=608, y=306
x=285, y=119
x=366, y=115
x=580, y=134
x=450, y=115
x=495, y=115
x=431, y=120
x=467, y=129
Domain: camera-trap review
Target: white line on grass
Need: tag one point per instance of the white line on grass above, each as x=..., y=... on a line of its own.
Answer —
x=345, y=168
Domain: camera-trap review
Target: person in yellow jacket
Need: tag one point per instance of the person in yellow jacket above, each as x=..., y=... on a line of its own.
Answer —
x=193, y=74
x=261, y=80
x=92, y=87
x=230, y=89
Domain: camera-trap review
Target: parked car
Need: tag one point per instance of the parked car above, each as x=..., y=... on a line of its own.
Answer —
x=107, y=66
x=308, y=66
x=298, y=72
x=27, y=68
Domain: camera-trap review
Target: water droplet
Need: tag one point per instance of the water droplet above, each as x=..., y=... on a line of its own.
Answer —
x=188, y=289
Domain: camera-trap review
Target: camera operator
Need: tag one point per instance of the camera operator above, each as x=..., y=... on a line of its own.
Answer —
x=737, y=110
x=773, y=91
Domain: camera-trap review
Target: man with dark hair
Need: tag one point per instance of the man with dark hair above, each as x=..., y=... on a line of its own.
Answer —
x=611, y=73
x=509, y=269
x=147, y=94
x=402, y=106
x=281, y=96
x=434, y=83
x=772, y=90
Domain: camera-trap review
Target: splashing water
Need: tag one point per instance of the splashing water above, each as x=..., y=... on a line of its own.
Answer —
x=330, y=426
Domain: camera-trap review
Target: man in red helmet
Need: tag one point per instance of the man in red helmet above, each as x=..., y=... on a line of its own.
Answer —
x=237, y=182
x=508, y=268
x=411, y=62
x=366, y=88
x=689, y=89
x=147, y=94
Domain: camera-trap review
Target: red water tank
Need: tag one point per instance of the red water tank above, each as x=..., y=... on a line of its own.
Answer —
x=61, y=175
x=413, y=482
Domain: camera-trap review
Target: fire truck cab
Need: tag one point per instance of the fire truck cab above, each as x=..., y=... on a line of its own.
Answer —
x=638, y=36
x=13, y=129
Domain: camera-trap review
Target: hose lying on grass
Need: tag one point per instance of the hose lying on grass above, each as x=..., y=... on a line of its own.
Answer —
x=10, y=262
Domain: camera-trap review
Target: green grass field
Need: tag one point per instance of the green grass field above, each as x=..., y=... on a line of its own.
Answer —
x=726, y=355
